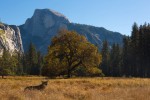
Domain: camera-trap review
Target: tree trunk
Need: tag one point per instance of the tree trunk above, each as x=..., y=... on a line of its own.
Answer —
x=68, y=74
x=2, y=76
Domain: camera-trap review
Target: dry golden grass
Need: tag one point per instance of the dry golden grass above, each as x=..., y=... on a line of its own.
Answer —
x=12, y=88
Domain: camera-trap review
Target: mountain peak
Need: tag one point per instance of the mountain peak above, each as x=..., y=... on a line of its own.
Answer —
x=50, y=12
x=43, y=21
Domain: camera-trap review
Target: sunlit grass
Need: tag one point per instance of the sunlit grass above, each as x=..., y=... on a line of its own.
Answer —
x=12, y=88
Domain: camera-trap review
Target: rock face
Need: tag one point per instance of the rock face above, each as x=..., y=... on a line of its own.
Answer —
x=39, y=29
x=45, y=23
x=10, y=39
x=97, y=35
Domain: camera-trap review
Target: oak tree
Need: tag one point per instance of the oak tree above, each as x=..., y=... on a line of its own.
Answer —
x=69, y=51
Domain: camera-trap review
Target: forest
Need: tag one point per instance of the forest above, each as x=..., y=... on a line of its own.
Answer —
x=71, y=55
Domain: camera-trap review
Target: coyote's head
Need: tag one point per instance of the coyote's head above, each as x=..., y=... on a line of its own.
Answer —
x=44, y=83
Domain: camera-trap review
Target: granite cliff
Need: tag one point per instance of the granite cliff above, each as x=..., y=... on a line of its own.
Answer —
x=10, y=39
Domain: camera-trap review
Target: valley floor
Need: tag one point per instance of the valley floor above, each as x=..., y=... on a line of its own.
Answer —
x=12, y=88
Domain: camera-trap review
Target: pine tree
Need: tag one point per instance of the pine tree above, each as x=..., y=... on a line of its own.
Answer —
x=126, y=56
x=141, y=53
x=146, y=49
x=135, y=49
x=105, y=58
x=115, y=60
x=19, y=58
x=5, y=65
x=31, y=60
x=40, y=63
x=136, y=52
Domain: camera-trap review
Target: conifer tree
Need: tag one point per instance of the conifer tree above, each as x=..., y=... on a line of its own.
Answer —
x=105, y=58
x=115, y=60
x=31, y=60
x=126, y=56
x=4, y=64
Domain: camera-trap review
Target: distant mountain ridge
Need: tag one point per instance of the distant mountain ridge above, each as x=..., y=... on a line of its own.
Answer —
x=45, y=23
x=97, y=35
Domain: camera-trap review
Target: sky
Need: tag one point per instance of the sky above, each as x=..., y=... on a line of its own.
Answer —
x=114, y=15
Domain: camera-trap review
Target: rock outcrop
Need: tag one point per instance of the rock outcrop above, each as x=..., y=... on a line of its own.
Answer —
x=45, y=23
x=10, y=39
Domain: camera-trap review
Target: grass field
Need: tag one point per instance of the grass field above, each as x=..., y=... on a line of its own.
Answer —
x=12, y=88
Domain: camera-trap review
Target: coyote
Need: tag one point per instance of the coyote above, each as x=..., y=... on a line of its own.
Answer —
x=38, y=87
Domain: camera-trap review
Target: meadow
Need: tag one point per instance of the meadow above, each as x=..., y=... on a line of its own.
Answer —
x=12, y=88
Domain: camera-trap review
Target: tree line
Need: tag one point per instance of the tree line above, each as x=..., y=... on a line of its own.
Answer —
x=70, y=54
x=133, y=58
x=29, y=63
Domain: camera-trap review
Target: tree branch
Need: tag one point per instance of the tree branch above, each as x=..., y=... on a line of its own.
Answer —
x=80, y=62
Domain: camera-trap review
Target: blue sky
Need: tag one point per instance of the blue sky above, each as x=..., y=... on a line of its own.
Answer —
x=114, y=15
